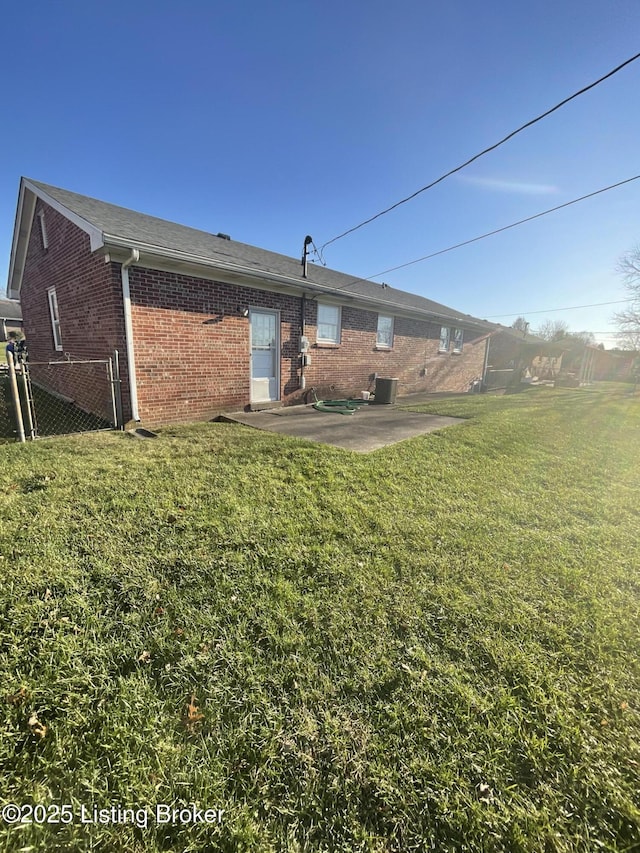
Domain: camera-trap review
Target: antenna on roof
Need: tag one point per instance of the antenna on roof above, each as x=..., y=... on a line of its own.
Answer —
x=305, y=253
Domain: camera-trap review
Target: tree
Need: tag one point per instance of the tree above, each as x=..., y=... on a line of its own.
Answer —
x=553, y=330
x=628, y=320
x=587, y=338
x=520, y=325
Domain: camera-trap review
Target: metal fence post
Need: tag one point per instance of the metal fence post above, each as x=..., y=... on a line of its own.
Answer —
x=16, y=396
x=28, y=401
x=114, y=415
x=117, y=387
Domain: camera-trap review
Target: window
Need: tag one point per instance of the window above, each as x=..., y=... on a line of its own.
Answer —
x=458, y=335
x=384, y=337
x=43, y=230
x=328, y=323
x=55, y=319
x=445, y=338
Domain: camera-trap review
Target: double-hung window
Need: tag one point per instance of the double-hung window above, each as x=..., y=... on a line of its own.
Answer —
x=445, y=339
x=55, y=318
x=447, y=335
x=328, y=324
x=384, y=337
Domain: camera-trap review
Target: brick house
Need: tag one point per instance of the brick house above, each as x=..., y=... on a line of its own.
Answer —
x=205, y=324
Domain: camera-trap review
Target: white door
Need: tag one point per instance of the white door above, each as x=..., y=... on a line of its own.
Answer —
x=265, y=347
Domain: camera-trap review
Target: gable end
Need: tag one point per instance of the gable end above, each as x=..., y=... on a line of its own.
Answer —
x=28, y=195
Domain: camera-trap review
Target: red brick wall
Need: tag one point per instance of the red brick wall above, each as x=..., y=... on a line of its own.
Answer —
x=191, y=344
x=192, y=349
x=191, y=341
x=414, y=358
x=89, y=295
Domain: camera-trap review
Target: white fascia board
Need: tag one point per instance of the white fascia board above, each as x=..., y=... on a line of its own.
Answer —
x=21, y=232
x=157, y=257
x=95, y=234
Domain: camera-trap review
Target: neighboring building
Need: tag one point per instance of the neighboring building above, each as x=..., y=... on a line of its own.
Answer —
x=10, y=317
x=613, y=366
x=205, y=324
x=546, y=366
x=511, y=354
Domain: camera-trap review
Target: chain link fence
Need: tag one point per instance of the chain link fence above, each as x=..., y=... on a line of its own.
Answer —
x=60, y=397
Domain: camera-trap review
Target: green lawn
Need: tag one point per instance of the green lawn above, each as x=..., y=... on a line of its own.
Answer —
x=433, y=647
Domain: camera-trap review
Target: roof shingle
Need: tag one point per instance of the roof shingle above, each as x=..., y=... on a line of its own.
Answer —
x=140, y=228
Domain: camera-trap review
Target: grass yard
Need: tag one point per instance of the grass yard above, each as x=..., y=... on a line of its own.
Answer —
x=434, y=647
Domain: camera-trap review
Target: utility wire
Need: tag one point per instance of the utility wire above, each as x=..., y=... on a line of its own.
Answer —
x=496, y=231
x=482, y=153
x=570, y=308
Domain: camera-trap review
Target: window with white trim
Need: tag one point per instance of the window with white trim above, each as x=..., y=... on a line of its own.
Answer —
x=328, y=323
x=445, y=338
x=384, y=336
x=458, y=337
x=55, y=318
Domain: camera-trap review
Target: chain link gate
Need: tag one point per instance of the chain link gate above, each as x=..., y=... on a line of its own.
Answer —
x=64, y=397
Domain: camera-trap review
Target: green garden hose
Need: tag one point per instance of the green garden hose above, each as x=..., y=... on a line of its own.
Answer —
x=340, y=407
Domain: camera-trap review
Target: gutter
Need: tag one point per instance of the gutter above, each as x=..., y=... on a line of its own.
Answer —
x=282, y=279
x=128, y=332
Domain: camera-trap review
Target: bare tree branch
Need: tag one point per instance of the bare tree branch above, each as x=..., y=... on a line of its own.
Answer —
x=628, y=320
x=553, y=330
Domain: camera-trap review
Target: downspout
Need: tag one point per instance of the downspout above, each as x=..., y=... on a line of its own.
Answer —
x=128, y=332
x=303, y=381
x=303, y=353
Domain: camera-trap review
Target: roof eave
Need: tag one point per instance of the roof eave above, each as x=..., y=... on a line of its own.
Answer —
x=301, y=285
x=21, y=231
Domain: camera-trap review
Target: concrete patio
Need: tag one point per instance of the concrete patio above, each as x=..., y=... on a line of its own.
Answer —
x=370, y=428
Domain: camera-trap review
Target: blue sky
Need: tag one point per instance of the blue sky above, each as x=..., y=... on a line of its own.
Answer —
x=270, y=121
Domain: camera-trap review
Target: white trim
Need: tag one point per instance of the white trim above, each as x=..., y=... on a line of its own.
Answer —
x=27, y=196
x=128, y=333
x=178, y=261
x=54, y=313
x=277, y=368
x=21, y=232
x=155, y=257
x=384, y=345
x=95, y=234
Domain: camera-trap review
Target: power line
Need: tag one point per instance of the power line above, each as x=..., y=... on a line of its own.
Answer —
x=496, y=231
x=550, y=310
x=482, y=153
